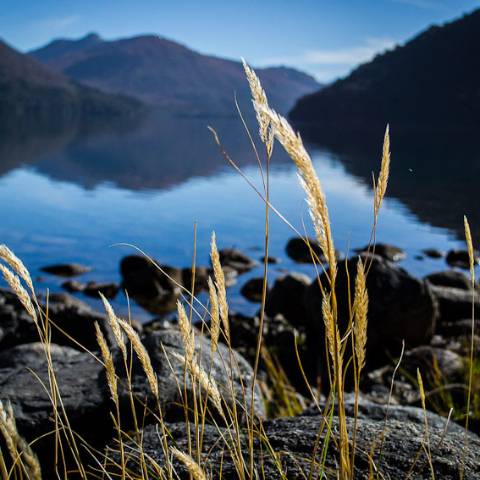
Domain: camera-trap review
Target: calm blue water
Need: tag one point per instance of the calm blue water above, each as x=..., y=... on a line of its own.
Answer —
x=75, y=198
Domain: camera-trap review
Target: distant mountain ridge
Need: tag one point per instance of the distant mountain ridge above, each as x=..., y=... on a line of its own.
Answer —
x=30, y=89
x=430, y=83
x=167, y=74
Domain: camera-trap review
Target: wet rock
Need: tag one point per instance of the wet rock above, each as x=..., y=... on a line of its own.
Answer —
x=154, y=290
x=271, y=260
x=455, y=303
x=72, y=286
x=459, y=258
x=162, y=345
x=252, y=290
x=386, y=251
x=287, y=298
x=299, y=251
x=201, y=278
x=233, y=258
x=401, y=307
x=66, y=269
x=83, y=397
x=230, y=274
x=109, y=290
x=450, y=278
x=296, y=438
x=433, y=253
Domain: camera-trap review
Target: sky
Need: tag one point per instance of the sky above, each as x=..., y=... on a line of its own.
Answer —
x=326, y=38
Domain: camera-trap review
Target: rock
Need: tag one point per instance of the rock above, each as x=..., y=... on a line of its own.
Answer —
x=401, y=307
x=84, y=399
x=252, y=290
x=459, y=328
x=278, y=338
x=233, y=258
x=298, y=437
x=161, y=345
x=287, y=297
x=270, y=260
x=384, y=250
x=66, y=269
x=460, y=258
x=109, y=290
x=433, y=253
x=298, y=250
x=455, y=303
x=450, y=278
x=73, y=286
x=155, y=291
x=201, y=278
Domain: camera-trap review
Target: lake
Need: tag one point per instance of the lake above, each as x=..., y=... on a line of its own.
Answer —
x=76, y=195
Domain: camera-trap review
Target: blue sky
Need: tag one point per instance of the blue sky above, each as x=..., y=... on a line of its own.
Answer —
x=326, y=38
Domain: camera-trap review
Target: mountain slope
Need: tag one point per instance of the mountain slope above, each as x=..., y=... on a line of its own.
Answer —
x=430, y=83
x=167, y=74
x=29, y=89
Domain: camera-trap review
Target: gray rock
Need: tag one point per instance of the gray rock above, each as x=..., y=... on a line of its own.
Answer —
x=385, y=250
x=296, y=438
x=162, y=344
x=66, y=269
x=450, y=278
x=455, y=303
x=287, y=297
x=401, y=307
x=73, y=286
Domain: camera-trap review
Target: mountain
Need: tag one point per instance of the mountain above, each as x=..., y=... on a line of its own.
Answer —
x=29, y=90
x=166, y=74
x=432, y=83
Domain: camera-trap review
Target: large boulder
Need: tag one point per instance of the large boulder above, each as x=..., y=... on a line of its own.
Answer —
x=237, y=260
x=227, y=368
x=450, y=278
x=384, y=250
x=401, y=308
x=299, y=440
x=154, y=290
x=455, y=303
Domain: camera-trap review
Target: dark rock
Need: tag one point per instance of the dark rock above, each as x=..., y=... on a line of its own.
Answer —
x=455, y=303
x=233, y=258
x=84, y=400
x=270, y=260
x=384, y=250
x=252, y=290
x=230, y=274
x=201, y=278
x=287, y=298
x=154, y=290
x=66, y=269
x=109, y=290
x=450, y=278
x=460, y=258
x=419, y=257
x=299, y=250
x=298, y=437
x=459, y=328
x=401, y=307
x=433, y=253
x=73, y=286
x=161, y=345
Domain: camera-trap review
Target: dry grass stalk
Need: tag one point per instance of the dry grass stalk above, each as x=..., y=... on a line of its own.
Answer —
x=9, y=257
x=260, y=103
x=142, y=355
x=17, y=445
x=214, y=316
x=293, y=145
x=220, y=284
x=208, y=384
x=108, y=361
x=188, y=336
x=115, y=326
x=192, y=466
x=15, y=284
x=360, y=312
x=471, y=256
x=331, y=327
x=382, y=182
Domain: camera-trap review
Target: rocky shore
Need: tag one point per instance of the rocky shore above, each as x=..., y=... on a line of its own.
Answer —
x=425, y=321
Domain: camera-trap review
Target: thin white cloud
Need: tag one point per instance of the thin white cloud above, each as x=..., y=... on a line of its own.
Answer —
x=58, y=23
x=428, y=4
